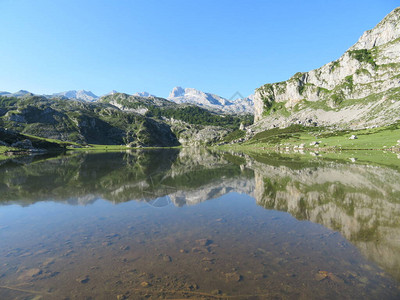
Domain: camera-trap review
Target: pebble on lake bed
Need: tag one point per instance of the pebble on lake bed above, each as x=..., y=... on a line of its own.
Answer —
x=145, y=284
x=167, y=258
x=83, y=279
x=322, y=275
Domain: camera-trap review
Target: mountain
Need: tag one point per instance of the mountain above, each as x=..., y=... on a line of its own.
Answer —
x=192, y=124
x=193, y=96
x=116, y=119
x=144, y=94
x=79, y=95
x=245, y=105
x=111, y=93
x=211, y=101
x=83, y=122
x=20, y=93
x=178, y=95
x=359, y=90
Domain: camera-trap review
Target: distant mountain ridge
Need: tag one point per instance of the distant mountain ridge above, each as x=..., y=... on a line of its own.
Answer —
x=20, y=93
x=178, y=95
x=79, y=95
x=211, y=101
x=144, y=94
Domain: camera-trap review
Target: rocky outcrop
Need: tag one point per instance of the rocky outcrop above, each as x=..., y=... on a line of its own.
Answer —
x=196, y=135
x=359, y=89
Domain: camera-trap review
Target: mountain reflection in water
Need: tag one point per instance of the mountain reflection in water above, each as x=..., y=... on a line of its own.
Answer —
x=186, y=176
x=360, y=201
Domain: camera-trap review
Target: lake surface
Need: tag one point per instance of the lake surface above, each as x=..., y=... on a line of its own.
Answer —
x=177, y=224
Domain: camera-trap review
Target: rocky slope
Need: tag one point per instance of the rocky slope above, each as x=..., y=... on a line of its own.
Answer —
x=82, y=122
x=191, y=124
x=211, y=101
x=360, y=89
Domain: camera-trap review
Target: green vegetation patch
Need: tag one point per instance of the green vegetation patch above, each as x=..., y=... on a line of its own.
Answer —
x=276, y=135
x=276, y=107
x=379, y=138
x=199, y=116
x=234, y=135
x=363, y=55
x=4, y=150
x=335, y=64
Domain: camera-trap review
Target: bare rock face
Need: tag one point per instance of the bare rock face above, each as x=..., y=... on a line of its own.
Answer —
x=196, y=135
x=387, y=30
x=212, y=102
x=359, y=89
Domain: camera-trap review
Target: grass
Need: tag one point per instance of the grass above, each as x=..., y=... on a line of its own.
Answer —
x=363, y=55
x=367, y=139
x=234, y=135
x=62, y=143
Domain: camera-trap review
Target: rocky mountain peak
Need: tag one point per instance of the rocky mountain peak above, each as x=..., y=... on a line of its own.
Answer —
x=210, y=101
x=79, y=95
x=177, y=92
x=387, y=30
x=358, y=90
x=143, y=94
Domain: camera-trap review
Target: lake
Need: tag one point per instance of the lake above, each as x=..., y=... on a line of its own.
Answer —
x=190, y=223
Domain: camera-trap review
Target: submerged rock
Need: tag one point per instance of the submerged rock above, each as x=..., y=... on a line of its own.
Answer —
x=83, y=279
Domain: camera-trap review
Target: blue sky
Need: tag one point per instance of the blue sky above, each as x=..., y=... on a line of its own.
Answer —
x=216, y=46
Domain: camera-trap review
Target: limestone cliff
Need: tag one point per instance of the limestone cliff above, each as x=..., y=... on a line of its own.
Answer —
x=360, y=89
